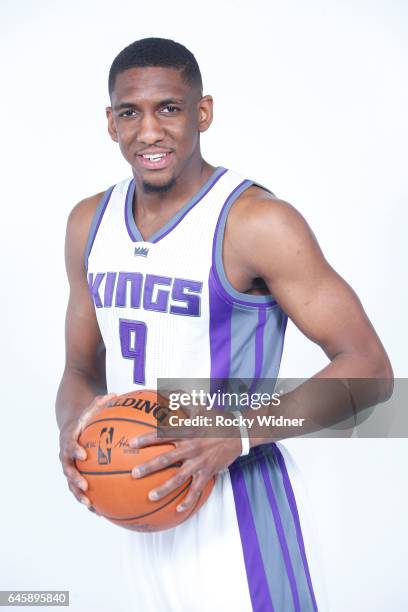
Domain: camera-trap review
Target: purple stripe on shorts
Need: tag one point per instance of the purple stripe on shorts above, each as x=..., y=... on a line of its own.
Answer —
x=279, y=528
x=257, y=582
x=292, y=504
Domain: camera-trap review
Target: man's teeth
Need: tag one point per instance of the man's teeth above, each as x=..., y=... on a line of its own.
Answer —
x=155, y=156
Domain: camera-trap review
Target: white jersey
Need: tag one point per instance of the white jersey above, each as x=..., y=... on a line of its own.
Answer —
x=167, y=310
x=165, y=306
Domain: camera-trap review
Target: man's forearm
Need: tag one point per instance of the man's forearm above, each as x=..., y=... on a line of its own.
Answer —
x=76, y=391
x=334, y=395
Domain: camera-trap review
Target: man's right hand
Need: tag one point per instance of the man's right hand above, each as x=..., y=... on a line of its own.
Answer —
x=71, y=450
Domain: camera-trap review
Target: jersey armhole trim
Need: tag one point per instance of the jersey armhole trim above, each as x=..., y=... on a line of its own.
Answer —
x=228, y=292
x=96, y=221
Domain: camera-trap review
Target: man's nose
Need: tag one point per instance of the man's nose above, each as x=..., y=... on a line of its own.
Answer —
x=150, y=129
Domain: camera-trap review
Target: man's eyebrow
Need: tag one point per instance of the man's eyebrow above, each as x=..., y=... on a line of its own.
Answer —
x=122, y=105
x=164, y=102
x=170, y=101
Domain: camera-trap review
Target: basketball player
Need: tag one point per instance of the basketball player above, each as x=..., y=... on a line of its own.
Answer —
x=189, y=270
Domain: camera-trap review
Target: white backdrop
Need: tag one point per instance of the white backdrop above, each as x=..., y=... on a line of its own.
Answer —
x=310, y=99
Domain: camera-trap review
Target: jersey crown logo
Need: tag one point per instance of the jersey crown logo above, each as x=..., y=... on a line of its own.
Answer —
x=143, y=251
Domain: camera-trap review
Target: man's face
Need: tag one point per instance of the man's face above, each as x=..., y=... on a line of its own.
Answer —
x=156, y=118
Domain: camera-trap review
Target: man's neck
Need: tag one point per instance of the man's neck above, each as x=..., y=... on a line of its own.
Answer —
x=150, y=204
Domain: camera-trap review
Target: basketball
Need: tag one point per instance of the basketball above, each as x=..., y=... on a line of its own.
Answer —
x=112, y=490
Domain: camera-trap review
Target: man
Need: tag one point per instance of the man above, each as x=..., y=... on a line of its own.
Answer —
x=190, y=271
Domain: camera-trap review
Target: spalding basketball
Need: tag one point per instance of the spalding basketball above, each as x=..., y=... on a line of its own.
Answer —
x=112, y=490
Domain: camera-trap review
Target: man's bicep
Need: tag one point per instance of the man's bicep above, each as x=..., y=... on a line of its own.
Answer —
x=321, y=304
x=84, y=343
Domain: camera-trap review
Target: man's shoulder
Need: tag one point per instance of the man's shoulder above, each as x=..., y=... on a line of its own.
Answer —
x=259, y=209
x=266, y=234
x=85, y=208
x=80, y=219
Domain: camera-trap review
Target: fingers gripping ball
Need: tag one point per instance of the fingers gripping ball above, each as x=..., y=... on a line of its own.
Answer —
x=113, y=491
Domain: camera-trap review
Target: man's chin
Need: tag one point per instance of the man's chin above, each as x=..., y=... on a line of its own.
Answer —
x=149, y=187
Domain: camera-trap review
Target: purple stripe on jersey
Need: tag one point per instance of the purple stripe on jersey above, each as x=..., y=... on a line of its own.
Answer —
x=220, y=333
x=204, y=193
x=220, y=349
x=292, y=504
x=257, y=582
x=259, y=342
x=279, y=528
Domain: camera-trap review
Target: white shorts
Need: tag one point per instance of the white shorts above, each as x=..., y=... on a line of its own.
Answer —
x=249, y=548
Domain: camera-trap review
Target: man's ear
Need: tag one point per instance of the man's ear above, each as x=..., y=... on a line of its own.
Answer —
x=205, y=113
x=111, y=124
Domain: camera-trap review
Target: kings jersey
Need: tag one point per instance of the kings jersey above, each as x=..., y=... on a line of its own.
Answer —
x=164, y=306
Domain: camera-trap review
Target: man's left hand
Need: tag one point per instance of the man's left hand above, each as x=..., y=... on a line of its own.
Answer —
x=201, y=459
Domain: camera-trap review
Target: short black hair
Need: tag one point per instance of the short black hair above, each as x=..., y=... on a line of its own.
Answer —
x=156, y=52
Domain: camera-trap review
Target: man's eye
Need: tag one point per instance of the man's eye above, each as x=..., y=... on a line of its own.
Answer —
x=127, y=113
x=170, y=108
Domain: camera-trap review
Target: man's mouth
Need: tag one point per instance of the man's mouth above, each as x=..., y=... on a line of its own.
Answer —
x=155, y=161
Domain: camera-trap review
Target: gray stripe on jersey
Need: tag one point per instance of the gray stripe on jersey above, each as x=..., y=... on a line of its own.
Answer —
x=273, y=339
x=252, y=357
x=243, y=330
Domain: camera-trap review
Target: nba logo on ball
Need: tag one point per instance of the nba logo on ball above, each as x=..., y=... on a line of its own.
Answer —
x=105, y=445
x=112, y=490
